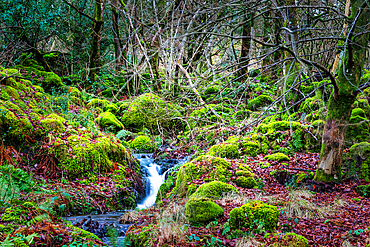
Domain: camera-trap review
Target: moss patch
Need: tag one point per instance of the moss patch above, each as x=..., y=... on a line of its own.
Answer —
x=277, y=157
x=143, y=144
x=252, y=212
x=108, y=120
x=202, y=210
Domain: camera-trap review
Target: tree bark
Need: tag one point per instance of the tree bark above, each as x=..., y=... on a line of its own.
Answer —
x=244, y=53
x=341, y=101
x=96, y=40
x=117, y=39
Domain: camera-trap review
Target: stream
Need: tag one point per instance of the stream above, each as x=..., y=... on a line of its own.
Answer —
x=155, y=175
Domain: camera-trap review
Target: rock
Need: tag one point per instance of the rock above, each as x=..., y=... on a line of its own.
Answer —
x=252, y=212
x=202, y=210
x=152, y=112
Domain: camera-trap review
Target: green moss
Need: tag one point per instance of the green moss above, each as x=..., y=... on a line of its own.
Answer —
x=291, y=240
x=313, y=144
x=73, y=91
x=364, y=105
x=141, y=236
x=143, y=144
x=54, y=123
x=216, y=169
x=83, y=155
x=277, y=157
x=310, y=105
x=357, y=161
x=250, y=148
x=12, y=126
x=202, y=210
x=278, y=126
x=109, y=120
x=260, y=101
x=8, y=92
x=152, y=112
x=265, y=165
x=98, y=103
x=79, y=233
x=363, y=190
x=242, y=114
x=112, y=108
x=225, y=150
x=211, y=90
x=214, y=190
x=122, y=106
x=252, y=212
x=246, y=182
x=358, y=129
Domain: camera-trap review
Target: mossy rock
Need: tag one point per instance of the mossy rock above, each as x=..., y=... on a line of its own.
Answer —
x=53, y=122
x=252, y=212
x=277, y=157
x=246, y=182
x=101, y=103
x=108, y=120
x=143, y=144
x=358, y=129
x=291, y=240
x=279, y=126
x=216, y=169
x=225, y=150
x=363, y=190
x=243, y=114
x=316, y=129
x=202, y=210
x=211, y=90
x=49, y=80
x=250, y=148
x=310, y=105
x=140, y=236
x=357, y=161
x=364, y=105
x=83, y=155
x=214, y=190
x=14, y=127
x=152, y=112
x=260, y=101
x=122, y=106
x=73, y=91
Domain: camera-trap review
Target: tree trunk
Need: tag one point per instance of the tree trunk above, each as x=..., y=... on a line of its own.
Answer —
x=341, y=101
x=244, y=53
x=117, y=39
x=96, y=39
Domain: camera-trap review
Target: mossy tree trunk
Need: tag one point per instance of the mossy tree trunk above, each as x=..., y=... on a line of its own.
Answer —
x=244, y=53
x=96, y=39
x=119, y=52
x=342, y=99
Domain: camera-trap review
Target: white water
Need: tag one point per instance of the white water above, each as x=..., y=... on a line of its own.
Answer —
x=155, y=180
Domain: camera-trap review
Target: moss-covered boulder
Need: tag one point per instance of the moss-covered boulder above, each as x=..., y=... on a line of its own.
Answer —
x=363, y=190
x=364, y=105
x=252, y=213
x=277, y=157
x=151, y=112
x=108, y=120
x=49, y=80
x=225, y=150
x=313, y=137
x=208, y=168
x=202, y=210
x=143, y=144
x=83, y=154
x=246, y=182
x=279, y=126
x=358, y=129
x=357, y=161
x=260, y=101
x=214, y=190
x=291, y=239
x=53, y=122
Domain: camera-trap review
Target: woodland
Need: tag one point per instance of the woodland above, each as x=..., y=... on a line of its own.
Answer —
x=253, y=117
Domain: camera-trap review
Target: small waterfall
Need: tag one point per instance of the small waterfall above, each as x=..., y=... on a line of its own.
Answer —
x=155, y=180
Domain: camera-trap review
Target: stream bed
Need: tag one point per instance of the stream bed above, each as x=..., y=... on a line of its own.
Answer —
x=155, y=175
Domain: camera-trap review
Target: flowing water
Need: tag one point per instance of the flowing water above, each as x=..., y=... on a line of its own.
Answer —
x=155, y=176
